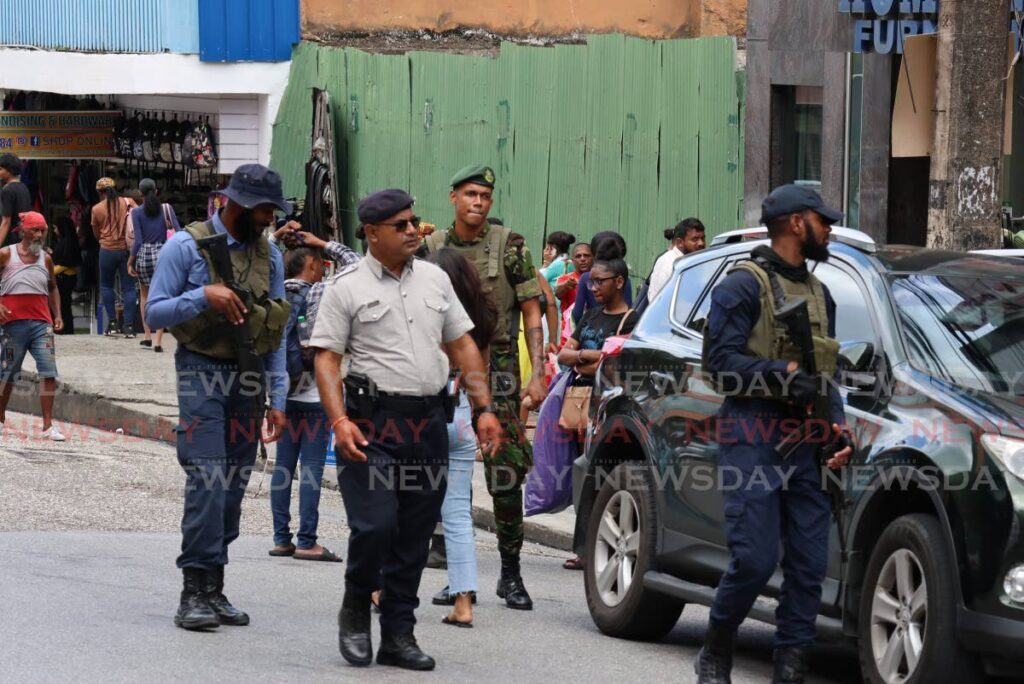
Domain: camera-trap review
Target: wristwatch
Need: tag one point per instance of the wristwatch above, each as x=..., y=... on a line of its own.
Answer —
x=480, y=410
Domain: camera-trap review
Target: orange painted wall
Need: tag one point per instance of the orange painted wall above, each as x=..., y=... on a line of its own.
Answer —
x=648, y=18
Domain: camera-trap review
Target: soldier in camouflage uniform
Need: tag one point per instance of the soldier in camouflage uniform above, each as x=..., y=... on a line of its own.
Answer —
x=506, y=270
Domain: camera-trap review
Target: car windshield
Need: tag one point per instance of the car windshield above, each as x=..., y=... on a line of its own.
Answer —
x=966, y=330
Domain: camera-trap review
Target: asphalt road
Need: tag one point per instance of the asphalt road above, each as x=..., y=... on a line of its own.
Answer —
x=88, y=536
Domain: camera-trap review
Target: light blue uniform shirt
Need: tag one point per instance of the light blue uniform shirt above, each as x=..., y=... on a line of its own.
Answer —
x=176, y=295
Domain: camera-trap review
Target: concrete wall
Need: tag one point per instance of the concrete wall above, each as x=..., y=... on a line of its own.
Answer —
x=647, y=18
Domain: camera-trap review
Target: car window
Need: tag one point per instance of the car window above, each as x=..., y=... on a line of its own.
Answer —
x=691, y=283
x=853, y=319
x=700, y=314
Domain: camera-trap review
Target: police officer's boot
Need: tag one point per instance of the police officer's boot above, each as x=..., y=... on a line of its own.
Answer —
x=227, y=614
x=194, y=611
x=790, y=665
x=510, y=584
x=354, y=629
x=437, y=559
x=714, y=661
x=403, y=651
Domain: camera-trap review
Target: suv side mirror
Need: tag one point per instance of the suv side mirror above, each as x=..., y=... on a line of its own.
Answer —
x=856, y=365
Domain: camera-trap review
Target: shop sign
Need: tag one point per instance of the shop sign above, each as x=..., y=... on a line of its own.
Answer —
x=58, y=135
x=885, y=25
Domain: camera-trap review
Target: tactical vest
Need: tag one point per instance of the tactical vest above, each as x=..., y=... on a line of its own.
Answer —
x=769, y=339
x=210, y=333
x=488, y=256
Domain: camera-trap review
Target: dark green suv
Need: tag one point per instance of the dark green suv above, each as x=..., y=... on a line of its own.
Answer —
x=926, y=569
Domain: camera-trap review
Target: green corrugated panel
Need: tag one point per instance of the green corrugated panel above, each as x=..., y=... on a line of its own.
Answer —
x=377, y=129
x=288, y=155
x=453, y=124
x=719, y=134
x=567, y=167
x=531, y=73
x=680, y=131
x=603, y=98
x=741, y=94
x=641, y=120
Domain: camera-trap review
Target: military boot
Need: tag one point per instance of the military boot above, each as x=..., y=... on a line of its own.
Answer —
x=227, y=614
x=714, y=661
x=510, y=584
x=194, y=611
x=354, y=640
x=790, y=665
x=437, y=559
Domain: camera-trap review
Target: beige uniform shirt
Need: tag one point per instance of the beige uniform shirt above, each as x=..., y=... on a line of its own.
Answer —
x=391, y=329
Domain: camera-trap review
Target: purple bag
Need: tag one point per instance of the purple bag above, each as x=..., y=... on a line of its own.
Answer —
x=549, y=484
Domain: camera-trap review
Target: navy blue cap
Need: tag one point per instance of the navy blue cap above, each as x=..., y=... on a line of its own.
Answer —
x=254, y=184
x=383, y=204
x=792, y=199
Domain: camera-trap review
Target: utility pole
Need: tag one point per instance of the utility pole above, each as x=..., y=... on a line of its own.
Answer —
x=964, y=202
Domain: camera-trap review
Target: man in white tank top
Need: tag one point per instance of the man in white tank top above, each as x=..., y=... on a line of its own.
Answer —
x=29, y=313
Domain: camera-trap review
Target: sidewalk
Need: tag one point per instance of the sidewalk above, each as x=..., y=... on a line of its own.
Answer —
x=113, y=383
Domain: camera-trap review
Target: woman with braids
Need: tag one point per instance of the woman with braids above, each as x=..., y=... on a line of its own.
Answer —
x=456, y=513
x=151, y=223
x=108, y=225
x=610, y=316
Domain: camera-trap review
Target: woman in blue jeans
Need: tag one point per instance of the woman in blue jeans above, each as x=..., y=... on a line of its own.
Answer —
x=456, y=512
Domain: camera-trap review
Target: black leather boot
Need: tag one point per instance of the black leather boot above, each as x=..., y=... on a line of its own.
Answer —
x=403, y=651
x=194, y=611
x=438, y=557
x=790, y=665
x=446, y=598
x=354, y=629
x=227, y=614
x=510, y=585
x=714, y=661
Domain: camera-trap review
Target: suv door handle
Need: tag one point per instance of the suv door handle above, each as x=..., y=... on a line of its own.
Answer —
x=661, y=382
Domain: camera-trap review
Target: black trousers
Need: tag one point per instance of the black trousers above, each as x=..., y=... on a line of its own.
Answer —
x=393, y=502
x=66, y=289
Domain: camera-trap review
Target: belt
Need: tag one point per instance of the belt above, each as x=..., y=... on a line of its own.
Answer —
x=405, y=402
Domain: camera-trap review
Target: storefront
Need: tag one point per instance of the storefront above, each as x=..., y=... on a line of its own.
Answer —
x=186, y=124
x=838, y=98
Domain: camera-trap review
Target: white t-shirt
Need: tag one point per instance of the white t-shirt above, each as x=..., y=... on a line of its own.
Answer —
x=662, y=271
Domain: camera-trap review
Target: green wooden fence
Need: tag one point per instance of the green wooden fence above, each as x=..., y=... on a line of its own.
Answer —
x=621, y=133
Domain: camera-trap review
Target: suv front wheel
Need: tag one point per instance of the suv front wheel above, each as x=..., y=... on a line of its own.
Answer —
x=621, y=540
x=907, y=619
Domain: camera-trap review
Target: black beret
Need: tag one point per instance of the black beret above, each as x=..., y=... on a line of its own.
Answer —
x=792, y=199
x=383, y=204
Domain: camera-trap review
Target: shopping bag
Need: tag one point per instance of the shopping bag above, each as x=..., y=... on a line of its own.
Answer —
x=549, y=484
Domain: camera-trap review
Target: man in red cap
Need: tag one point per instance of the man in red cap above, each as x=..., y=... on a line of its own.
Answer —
x=29, y=312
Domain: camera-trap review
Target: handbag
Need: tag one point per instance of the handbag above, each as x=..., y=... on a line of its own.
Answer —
x=576, y=406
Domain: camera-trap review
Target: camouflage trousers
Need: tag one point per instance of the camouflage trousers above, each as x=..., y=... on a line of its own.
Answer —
x=506, y=470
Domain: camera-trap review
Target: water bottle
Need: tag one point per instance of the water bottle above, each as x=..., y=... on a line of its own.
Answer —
x=304, y=331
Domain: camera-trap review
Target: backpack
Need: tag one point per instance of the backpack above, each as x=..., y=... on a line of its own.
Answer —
x=201, y=145
x=299, y=357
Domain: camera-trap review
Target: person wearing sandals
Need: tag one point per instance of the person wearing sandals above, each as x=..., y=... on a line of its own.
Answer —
x=612, y=316
x=306, y=433
x=108, y=225
x=151, y=223
x=456, y=511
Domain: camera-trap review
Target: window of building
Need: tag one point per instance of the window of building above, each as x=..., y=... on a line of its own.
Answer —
x=797, y=116
x=854, y=122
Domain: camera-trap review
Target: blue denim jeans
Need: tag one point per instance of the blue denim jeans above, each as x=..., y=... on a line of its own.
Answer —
x=114, y=262
x=456, y=512
x=27, y=337
x=304, y=439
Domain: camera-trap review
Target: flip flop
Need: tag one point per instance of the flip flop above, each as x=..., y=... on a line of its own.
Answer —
x=280, y=553
x=325, y=555
x=456, y=623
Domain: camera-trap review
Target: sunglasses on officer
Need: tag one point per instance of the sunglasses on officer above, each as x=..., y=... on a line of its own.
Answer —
x=402, y=225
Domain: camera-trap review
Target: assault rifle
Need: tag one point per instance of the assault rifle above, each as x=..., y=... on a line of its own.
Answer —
x=250, y=364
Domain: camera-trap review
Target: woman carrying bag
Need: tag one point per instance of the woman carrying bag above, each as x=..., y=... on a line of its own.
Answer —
x=611, y=317
x=151, y=224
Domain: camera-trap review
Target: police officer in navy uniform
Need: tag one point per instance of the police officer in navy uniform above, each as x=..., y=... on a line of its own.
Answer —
x=219, y=406
x=757, y=367
x=397, y=320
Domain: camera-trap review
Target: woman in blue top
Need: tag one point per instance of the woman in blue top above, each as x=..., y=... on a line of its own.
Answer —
x=605, y=246
x=151, y=222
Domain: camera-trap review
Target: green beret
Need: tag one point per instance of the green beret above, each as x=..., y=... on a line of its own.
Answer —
x=475, y=173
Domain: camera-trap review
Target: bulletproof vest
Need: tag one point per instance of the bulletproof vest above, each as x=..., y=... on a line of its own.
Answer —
x=488, y=256
x=769, y=339
x=210, y=333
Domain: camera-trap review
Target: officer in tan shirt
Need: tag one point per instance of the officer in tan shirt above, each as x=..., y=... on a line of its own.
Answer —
x=398, y=320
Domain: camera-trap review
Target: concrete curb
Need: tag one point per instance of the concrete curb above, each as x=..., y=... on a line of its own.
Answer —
x=97, y=412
